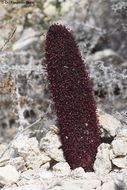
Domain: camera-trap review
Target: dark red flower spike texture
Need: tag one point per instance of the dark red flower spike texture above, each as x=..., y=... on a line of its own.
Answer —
x=73, y=99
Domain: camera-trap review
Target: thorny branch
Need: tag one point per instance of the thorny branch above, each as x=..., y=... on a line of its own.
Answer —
x=8, y=40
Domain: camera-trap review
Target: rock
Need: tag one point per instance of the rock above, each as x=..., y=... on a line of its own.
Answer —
x=90, y=175
x=89, y=184
x=103, y=163
x=2, y=11
x=24, y=44
x=49, y=9
x=108, y=185
x=28, y=148
x=98, y=188
x=46, y=166
x=122, y=133
x=46, y=174
x=19, y=30
x=61, y=169
x=125, y=178
x=18, y=162
x=30, y=176
x=120, y=162
x=89, y=181
x=51, y=144
x=112, y=156
x=119, y=146
x=104, y=178
x=78, y=173
x=120, y=181
x=24, y=145
x=106, y=55
x=57, y=188
x=27, y=39
x=109, y=123
x=8, y=175
x=66, y=5
x=36, y=161
x=27, y=187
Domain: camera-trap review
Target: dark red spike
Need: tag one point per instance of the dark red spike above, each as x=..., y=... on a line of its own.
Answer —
x=73, y=98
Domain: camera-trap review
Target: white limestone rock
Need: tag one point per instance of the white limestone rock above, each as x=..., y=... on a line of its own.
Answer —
x=104, y=178
x=51, y=144
x=125, y=178
x=27, y=187
x=27, y=39
x=78, y=173
x=119, y=146
x=18, y=162
x=45, y=166
x=46, y=174
x=58, y=188
x=109, y=123
x=61, y=169
x=108, y=185
x=28, y=149
x=88, y=184
x=107, y=54
x=112, y=155
x=23, y=145
x=91, y=176
x=49, y=9
x=36, y=161
x=2, y=10
x=29, y=177
x=8, y=175
x=89, y=179
x=120, y=162
x=120, y=181
x=102, y=163
x=98, y=188
x=122, y=133
x=66, y=5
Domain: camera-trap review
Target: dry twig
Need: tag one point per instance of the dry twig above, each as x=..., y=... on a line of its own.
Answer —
x=8, y=40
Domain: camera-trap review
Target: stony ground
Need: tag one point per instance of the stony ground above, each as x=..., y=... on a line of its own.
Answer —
x=29, y=164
